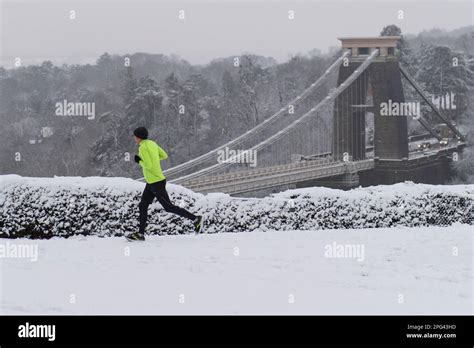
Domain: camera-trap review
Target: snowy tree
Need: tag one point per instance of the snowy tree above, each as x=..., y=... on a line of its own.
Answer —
x=146, y=104
x=251, y=76
x=442, y=72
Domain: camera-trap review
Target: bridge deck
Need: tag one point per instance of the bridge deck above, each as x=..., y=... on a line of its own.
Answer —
x=262, y=178
x=245, y=181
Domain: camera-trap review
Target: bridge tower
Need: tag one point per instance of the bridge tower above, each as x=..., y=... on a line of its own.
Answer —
x=382, y=81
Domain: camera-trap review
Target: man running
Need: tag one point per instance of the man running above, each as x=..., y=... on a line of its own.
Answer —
x=149, y=156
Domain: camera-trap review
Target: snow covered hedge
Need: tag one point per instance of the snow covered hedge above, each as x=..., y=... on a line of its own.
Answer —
x=64, y=206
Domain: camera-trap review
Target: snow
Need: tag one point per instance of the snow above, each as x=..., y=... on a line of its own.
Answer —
x=95, y=183
x=66, y=206
x=416, y=241
x=90, y=183
x=262, y=276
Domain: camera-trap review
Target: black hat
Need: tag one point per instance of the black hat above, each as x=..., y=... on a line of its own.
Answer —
x=141, y=132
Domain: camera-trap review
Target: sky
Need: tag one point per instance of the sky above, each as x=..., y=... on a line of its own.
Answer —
x=38, y=30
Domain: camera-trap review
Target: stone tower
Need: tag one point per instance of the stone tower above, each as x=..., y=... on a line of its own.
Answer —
x=383, y=79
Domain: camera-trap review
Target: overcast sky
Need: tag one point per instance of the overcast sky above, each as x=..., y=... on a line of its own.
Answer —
x=37, y=30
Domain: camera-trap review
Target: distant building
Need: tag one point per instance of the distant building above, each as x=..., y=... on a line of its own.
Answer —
x=444, y=102
x=46, y=132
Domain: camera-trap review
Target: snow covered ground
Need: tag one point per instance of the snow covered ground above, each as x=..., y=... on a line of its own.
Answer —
x=401, y=270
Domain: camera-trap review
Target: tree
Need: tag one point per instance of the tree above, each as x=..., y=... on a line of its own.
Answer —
x=146, y=104
x=443, y=72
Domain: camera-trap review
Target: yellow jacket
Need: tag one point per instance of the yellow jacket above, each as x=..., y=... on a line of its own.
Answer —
x=151, y=154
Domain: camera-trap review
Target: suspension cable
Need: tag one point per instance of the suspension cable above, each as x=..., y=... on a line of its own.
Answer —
x=332, y=95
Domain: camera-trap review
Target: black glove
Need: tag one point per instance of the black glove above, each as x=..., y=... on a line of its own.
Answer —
x=137, y=158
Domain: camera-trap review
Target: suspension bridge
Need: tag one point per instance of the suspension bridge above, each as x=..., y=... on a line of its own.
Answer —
x=321, y=137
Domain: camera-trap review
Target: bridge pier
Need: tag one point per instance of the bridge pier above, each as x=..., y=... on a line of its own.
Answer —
x=383, y=80
x=392, y=172
x=346, y=181
x=431, y=169
x=350, y=179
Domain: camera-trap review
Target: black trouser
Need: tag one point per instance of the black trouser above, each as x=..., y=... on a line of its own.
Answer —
x=158, y=190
